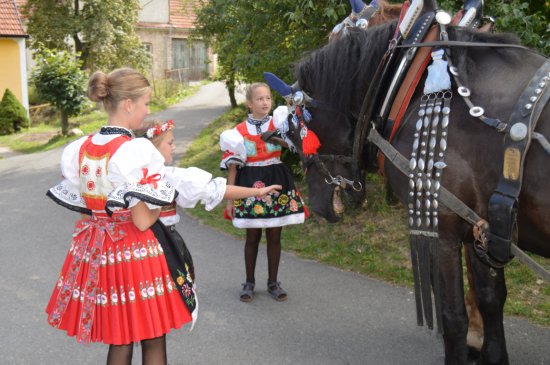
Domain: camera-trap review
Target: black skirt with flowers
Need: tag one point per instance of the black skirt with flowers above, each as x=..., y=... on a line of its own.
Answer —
x=274, y=210
x=180, y=263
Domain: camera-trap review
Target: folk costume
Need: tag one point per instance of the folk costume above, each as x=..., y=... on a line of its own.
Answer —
x=115, y=285
x=258, y=165
x=193, y=185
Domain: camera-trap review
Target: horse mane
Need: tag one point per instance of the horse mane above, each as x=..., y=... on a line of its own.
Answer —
x=346, y=66
x=463, y=57
x=339, y=69
x=386, y=12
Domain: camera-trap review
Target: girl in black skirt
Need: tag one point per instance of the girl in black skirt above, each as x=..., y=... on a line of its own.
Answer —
x=193, y=185
x=251, y=162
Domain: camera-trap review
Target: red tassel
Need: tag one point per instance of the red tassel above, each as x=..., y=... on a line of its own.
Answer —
x=226, y=215
x=310, y=143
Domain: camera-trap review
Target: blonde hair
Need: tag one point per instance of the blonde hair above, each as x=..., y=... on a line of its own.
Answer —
x=250, y=89
x=157, y=138
x=120, y=84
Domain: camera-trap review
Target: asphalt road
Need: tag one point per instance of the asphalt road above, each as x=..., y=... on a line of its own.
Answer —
x=331, y=317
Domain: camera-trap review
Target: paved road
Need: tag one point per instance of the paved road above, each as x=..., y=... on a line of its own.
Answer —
x=332, y=316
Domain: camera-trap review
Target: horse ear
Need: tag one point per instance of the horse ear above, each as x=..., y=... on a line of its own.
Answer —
x=357, y=5
x=277, y=84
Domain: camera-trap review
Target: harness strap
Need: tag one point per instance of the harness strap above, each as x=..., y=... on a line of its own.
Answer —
x=465, y=44
x=411, y=80
x=448, y=199
x=503, y=205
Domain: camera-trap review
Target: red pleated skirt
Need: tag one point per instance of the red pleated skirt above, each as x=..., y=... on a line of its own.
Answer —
x=115, y=285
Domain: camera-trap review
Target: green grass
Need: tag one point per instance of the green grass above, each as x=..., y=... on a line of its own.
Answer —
x=45, y=137
x=373, y=242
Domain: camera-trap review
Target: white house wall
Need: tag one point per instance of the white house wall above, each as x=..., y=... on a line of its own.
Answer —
x=154, y=11
x=23, y=68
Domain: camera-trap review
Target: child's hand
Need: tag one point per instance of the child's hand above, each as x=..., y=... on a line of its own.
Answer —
x=269, y=189
x=230, y=209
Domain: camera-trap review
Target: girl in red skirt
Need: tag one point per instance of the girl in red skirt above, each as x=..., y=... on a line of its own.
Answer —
x=116, y=285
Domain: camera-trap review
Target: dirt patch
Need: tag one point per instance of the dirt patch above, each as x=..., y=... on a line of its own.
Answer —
x=38, y=137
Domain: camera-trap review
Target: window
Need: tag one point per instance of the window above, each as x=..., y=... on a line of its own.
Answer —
x=186, y=54
x=149, y=48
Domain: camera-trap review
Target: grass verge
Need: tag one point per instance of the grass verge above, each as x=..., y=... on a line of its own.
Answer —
x=373, y=242
x=45, y=137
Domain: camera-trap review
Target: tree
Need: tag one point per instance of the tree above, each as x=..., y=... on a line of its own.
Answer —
x=59, y=79
x=529, y=20
x=251, y=37
x=13, y=115
x=102, y=32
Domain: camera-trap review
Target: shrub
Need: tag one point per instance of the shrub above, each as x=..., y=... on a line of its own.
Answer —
x=59, y=80
x=13, y=115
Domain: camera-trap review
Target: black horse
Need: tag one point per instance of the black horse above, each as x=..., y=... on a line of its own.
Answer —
x=338, y=76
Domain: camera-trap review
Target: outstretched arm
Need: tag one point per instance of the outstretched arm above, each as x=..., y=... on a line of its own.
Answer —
x=239, y=192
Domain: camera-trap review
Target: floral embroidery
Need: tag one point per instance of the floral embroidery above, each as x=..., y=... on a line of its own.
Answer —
x=180, y=280
x=258, y=185
x=283, y=199
x=270, y=206
x=258, y=209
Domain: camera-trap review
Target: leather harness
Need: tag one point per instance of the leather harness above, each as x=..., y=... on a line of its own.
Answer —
x=497, y=246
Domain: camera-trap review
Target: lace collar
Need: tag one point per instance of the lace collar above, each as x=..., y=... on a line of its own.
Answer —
x=258, y=122
x=116, y=130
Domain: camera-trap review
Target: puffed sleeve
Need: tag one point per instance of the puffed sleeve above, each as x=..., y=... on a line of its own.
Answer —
x=234, y=151
x=137, y=173
x=67, y=192
x=195, y=185
x=280, y=114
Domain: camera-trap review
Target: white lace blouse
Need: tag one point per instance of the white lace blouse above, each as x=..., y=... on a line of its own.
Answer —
x=232, y=142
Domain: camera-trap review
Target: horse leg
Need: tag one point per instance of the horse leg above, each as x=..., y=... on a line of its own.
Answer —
x=490, y=286
x=474, y=339
x=453, y=310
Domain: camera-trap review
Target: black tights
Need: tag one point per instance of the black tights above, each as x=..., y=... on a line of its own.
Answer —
x=253, y=237
x=153, y=352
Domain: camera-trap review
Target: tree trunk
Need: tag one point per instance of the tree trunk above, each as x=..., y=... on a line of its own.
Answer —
x=79, y=46
x=64, y=123
x=230, y=84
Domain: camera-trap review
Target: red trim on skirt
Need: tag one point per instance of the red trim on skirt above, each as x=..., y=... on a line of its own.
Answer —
x=115, y=286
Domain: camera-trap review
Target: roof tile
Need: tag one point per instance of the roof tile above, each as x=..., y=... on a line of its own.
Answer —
x=182, y=14
x=10, y=22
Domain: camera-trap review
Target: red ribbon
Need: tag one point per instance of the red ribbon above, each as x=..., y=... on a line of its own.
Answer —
x=87, y=246
x=151, y=179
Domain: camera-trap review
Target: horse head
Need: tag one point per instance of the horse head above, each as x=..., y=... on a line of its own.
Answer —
x=334, y=179
x=331, y=84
